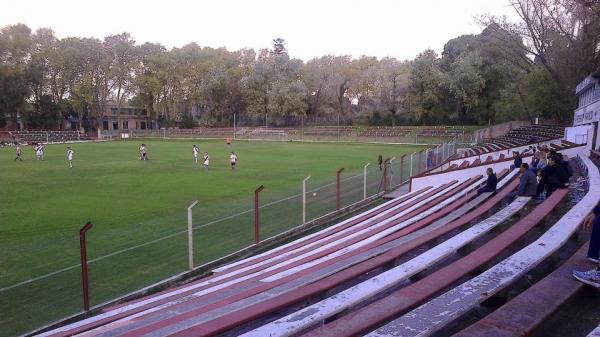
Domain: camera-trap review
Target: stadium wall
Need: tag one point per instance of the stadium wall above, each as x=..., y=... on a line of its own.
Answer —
x=497, y=130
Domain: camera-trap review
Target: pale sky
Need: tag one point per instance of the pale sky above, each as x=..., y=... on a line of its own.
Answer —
x=397, y=28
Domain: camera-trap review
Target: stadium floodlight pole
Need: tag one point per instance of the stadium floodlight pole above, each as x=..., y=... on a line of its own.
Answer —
x=256, y=215
x=365, y=180
x=338, y=183
x=304, y=199
x=84, y=270
x=191, y=236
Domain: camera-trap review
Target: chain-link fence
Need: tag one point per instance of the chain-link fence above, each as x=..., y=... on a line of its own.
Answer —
x=142, y=254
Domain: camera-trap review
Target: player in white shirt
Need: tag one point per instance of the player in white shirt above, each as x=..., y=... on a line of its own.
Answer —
x=233, y=159
x=196, y=153
x=143, y=152
x=70, y=154
x=18, y=152
x=39, y=152
x=206, y=160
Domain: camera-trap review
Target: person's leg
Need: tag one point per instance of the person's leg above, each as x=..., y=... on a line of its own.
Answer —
x=594, y=248
x=510, y=197
x=549, y=189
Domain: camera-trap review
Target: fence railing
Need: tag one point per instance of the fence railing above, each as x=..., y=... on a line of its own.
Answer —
x=405, y=135
x=145, y=253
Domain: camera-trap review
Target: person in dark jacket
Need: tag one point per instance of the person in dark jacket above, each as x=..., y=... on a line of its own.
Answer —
x=592, y=277
x=527, y=184
x=491, y=182
x=380, y=160
x=518, y=160
x=554, y=176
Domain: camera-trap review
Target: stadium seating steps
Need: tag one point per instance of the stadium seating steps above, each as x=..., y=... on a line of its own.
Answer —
x=50, y=136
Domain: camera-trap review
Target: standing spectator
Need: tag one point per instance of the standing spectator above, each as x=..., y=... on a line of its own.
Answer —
x=491, y=182
x=18, y=152
x=380, y=160
x=592, y=277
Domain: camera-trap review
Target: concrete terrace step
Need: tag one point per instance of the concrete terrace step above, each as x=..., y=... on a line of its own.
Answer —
x=524, y=313
x=437, y=313
x=322, y=310
x=408, y=297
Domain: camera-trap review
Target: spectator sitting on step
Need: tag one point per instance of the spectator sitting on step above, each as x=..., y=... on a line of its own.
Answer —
x=518, y=161
x=554, y=176
x=592, y=277
x=491, y=182
x=527, y=184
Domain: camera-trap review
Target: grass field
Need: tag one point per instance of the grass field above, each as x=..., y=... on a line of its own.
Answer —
x=138, y=212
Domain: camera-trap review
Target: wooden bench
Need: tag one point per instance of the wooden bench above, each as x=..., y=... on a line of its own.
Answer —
x=524, y=313
x=437, y=313
x=405, y=299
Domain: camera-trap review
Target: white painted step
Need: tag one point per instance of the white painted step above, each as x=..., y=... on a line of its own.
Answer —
x=440, y=311
x=313, y=314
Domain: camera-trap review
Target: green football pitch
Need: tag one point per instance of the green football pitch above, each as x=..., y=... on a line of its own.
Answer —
x=138, y=211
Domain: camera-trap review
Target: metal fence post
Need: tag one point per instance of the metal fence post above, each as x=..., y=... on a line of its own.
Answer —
x=256, y=215
x=402, y=168
x=304, y=199
x=338, y=201
x=411, y=164
x=191, y=236
x=84, y=270
x=365, y=180
x=392, y=171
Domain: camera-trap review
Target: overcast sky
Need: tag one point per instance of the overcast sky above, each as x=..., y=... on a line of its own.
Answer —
x=311, y=28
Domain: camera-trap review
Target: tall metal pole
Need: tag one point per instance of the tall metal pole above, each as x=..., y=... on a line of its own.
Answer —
x=84, y=270
x=365, y=180
x=256, y=215
x=338, y=201
x=234, y=125
x=304, y=199
x=191, y=236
